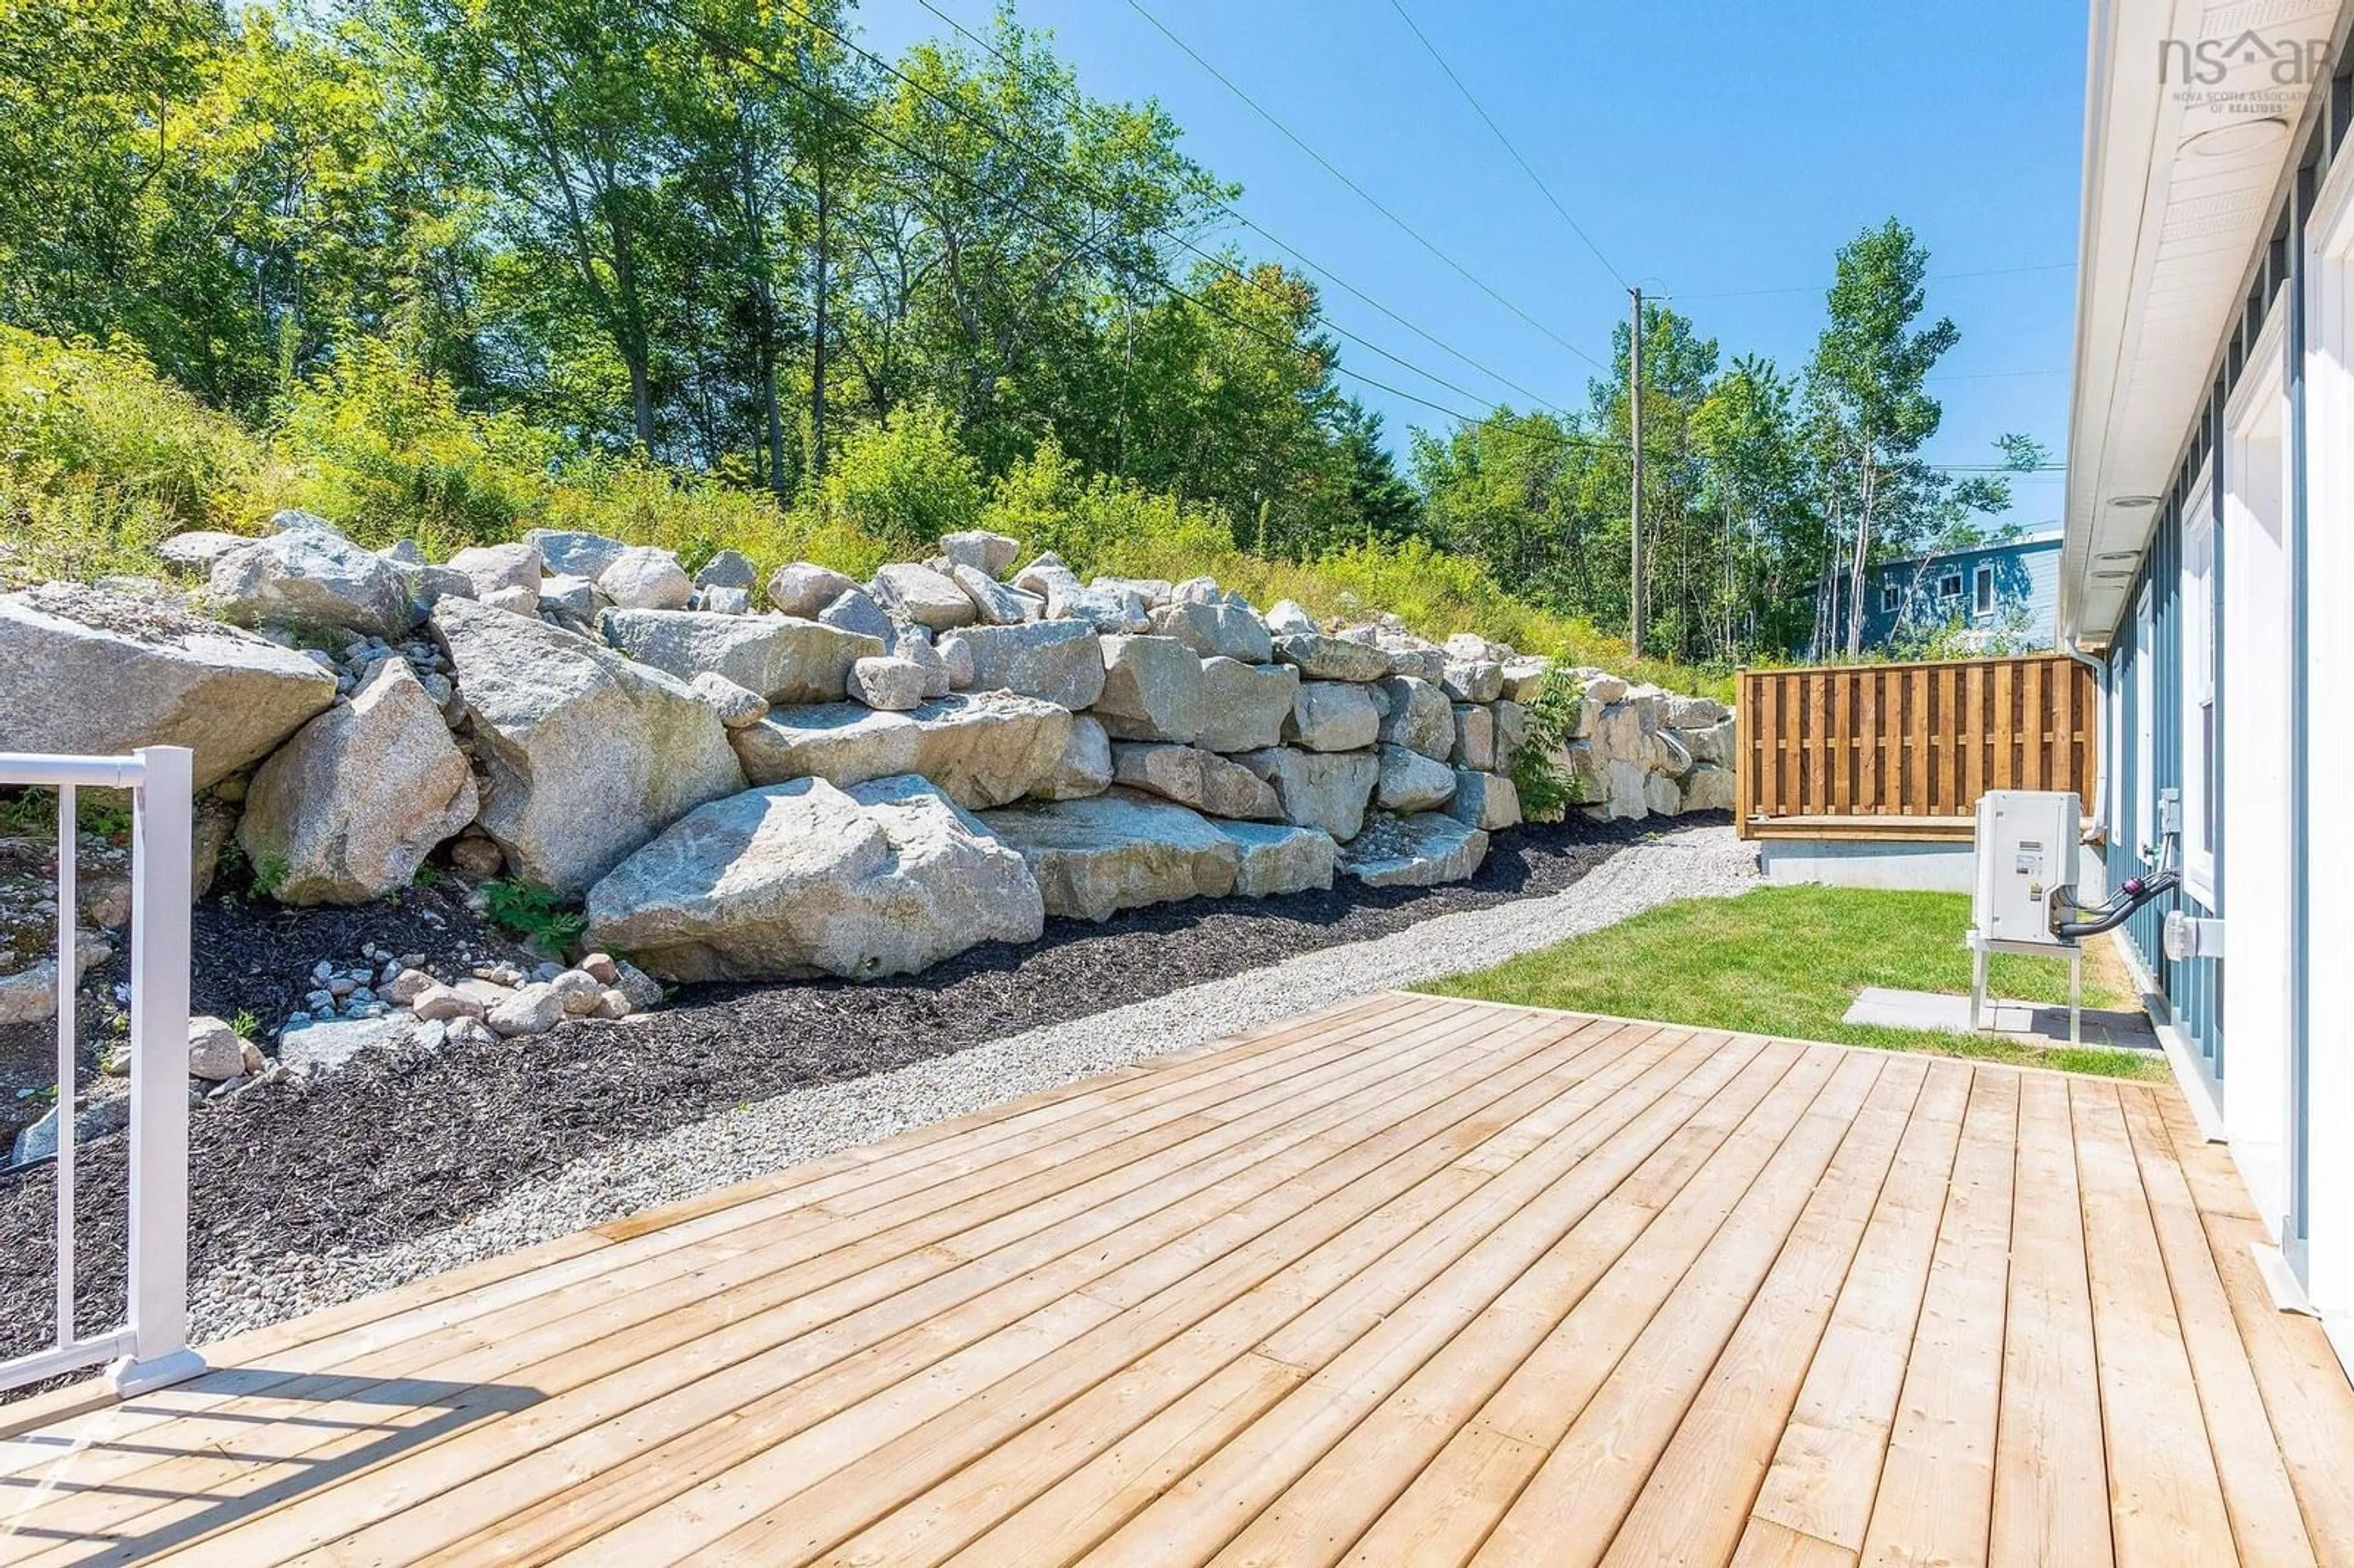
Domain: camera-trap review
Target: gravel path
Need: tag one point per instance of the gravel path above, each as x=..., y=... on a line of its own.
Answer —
x=804, y=1124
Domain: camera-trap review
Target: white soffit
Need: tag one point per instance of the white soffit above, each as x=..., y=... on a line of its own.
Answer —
x=2193, y=108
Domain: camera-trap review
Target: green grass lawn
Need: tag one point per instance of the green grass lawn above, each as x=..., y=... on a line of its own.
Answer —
x=1789, y=960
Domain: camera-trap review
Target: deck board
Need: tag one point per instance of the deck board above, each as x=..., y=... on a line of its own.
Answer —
x=1406, y=1280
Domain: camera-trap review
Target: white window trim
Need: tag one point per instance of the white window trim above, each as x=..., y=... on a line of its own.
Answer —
x=2145, y=669
x=1982, y=588
x=2195, y=607
x=2328, y=558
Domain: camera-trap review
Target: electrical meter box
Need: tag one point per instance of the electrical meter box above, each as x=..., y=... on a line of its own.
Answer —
x=2026, y=847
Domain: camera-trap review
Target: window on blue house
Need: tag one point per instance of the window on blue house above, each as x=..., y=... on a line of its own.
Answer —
x=1891, y=599
x=1984, y=590
x=1949, y=586
x=2199, y=697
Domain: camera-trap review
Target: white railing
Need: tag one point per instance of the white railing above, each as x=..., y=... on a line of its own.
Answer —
x=151, y=1347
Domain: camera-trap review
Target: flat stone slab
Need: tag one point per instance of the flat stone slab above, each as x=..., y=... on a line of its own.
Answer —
x=2025, y=1023
x=984, y=750
x=1420, y=850
x=1278, y=858
x=1118, y=851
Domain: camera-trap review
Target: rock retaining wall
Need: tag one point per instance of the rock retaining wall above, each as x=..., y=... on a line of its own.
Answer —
x=859, y=780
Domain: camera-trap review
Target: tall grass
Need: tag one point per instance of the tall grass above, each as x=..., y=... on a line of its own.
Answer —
x=100, y=460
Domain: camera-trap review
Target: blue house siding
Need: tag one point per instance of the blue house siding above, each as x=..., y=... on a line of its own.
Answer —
x=2025, y=580
x=2192, y=991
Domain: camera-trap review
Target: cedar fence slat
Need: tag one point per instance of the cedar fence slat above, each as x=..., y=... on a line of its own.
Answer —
x=1915, y=742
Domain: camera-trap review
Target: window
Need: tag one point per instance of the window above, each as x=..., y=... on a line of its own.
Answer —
x=2199, y=695
x=2145, y=669
x=1949, y=586
x=1892, y=598
x=1982, y=591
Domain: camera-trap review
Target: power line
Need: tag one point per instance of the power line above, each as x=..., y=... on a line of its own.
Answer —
x=1486, y=119
x=1078, y=241
x=1363, y=193
x=1819, y=288
x=998, y=134
x=1296, y=254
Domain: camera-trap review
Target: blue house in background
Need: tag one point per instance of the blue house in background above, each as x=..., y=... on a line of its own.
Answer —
x=2006, y=591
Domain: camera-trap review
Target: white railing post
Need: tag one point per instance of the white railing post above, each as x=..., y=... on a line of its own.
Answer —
x=163, y=821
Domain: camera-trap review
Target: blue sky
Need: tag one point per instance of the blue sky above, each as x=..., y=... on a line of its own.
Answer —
x=1711, y=151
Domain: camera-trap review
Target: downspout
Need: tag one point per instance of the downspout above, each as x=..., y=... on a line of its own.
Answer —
x=2100, y=670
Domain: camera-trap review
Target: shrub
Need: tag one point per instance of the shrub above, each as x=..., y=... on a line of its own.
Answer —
x=1546, y=795
x=100, y=458
x=904, y=480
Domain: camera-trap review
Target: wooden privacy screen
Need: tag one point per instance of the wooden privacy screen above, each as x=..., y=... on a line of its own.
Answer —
x=1905, y=750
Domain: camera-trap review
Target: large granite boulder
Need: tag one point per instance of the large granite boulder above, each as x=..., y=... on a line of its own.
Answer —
x=1152, y=690
x=88, y=672
x=922, y=596
x=1059, y=660
x=993, y=603
x=505, y=576
x=1215, y=631
x=1323, y=658
x=1719, y=743
x=1085, y=769
x=575, y=555
x=1287, y=618
x=1485, y=801
x=1524, y=678
x=1473, y=680
x=1420, y=719
x=890, y=683
x=1047, y=576
x=1709, y=787
x=1244, y=706
x=1117, y=851
x=1153, y=591
x=783, y=659
x=1692, y=713
x=589, y=753
x=1333, y=716
x=646, y=578
x=802, y=588
x=798, y=879
x=314, y=578
x=1190, y=776
x=1412, y=782
x=1108, y=609
x=984, y=749
x=1475, y=736
x=1415, y=851
x=855, y=610
x=1511, y=730
x=349, y=808
x=1276, y=858
x=1327, y=789
x=991, y=554
x=193, y=554
x=728, y=569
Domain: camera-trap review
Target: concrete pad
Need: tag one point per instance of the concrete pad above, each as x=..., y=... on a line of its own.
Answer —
x=2027, y=1022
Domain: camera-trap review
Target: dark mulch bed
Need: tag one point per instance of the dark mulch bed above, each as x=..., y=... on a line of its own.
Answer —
x=391, y=1148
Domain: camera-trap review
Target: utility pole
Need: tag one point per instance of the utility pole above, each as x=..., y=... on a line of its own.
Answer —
x=1634, y=464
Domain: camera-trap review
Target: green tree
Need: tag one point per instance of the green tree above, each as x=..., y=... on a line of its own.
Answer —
x=566, y=112
x=1870, y=415
x=1382, y=505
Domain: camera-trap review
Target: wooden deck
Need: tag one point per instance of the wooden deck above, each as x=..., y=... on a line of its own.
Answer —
x=1410, y=1281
